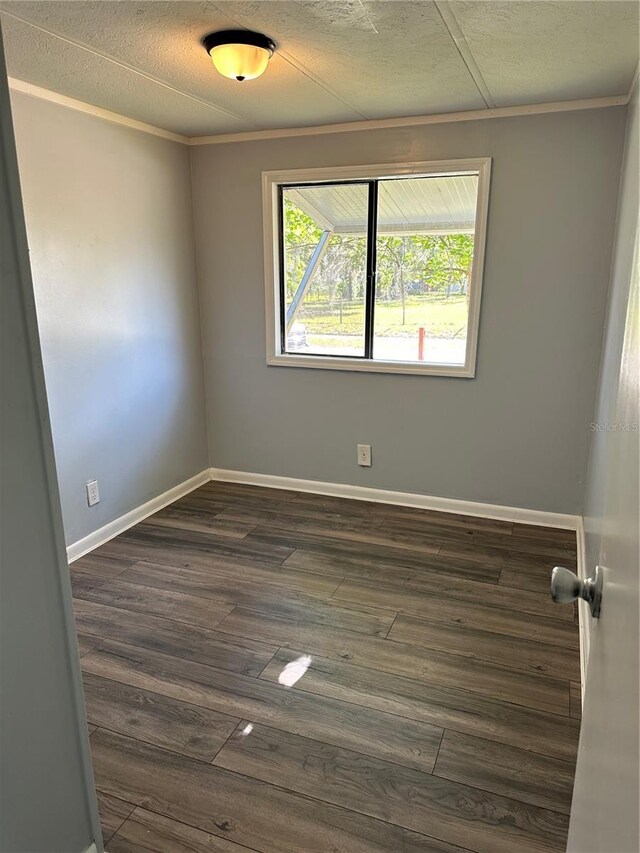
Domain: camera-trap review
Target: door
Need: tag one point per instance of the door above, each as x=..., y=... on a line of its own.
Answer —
x=604, y=815
x=47, y=797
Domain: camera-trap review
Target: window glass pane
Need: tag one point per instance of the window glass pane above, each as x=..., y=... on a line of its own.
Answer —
x=325, y=251
x=425, y=251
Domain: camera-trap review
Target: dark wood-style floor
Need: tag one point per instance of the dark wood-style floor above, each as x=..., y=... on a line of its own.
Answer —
x=437, y=703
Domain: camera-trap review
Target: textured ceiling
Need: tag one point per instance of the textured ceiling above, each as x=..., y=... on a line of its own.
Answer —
x=337, y=60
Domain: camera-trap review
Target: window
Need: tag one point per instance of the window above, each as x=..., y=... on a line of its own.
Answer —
x=376, y=268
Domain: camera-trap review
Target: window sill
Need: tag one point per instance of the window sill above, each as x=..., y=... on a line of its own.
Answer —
x=370, y=366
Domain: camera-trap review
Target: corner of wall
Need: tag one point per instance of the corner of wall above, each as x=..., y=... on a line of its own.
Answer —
x=200, y=287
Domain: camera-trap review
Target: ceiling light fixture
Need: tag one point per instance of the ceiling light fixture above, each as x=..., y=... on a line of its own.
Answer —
x=239, y=54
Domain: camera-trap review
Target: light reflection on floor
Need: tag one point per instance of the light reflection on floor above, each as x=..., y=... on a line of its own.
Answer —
x=294, y=671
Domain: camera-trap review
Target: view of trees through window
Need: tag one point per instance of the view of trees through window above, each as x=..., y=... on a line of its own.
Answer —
x=422, y=280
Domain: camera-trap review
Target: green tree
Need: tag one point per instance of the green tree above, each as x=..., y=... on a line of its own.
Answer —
x=448, y=261
x=435, y=263
x=396, y=257
x=301, y=236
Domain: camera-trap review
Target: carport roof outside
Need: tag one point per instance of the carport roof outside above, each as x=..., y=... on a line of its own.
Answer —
x=435, y=204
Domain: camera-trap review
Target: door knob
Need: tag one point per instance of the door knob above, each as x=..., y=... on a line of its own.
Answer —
x=566, y=587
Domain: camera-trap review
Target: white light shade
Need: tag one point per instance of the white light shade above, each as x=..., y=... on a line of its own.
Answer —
x=240, y=61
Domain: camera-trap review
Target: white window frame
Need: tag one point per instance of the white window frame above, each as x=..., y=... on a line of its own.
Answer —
x=272, y=180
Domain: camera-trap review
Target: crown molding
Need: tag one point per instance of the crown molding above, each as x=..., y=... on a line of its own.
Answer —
x=415, y=121
x=346, y=127
x=80, y=106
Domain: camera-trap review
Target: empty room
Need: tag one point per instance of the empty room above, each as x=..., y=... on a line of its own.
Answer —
x=320, y=426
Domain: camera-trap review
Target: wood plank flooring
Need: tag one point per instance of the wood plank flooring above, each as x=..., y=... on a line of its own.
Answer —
x=281, y=672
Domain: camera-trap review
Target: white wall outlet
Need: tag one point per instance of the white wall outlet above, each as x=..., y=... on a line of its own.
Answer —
x=364, y=455
x=93, y=495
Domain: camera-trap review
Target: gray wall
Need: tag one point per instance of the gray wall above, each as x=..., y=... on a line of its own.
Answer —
x=109, y=222
x=518, y=433
x=109, y=219
x=47, y=802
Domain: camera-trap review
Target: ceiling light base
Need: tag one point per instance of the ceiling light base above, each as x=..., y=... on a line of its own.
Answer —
x=239, y=54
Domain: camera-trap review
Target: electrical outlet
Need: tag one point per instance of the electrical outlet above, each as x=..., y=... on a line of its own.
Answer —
x=364, y=455
x=93, y=495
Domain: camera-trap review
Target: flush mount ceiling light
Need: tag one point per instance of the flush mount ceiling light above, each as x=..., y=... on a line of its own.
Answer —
x=239, y=54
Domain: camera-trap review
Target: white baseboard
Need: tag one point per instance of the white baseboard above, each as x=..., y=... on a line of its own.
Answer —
x=91, y=848
x=584, y=615
x=501, y=513
x=364, y=493
x=119, y=525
